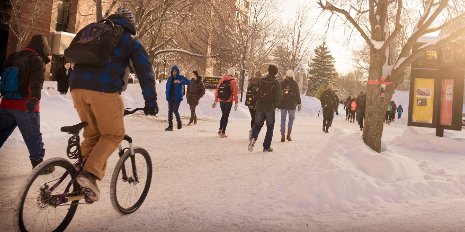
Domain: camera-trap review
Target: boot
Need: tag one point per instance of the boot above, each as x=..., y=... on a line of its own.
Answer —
x=288, y=136
x=283, y=137
x=169, y=128
x=88, y=183
x=190, y=122
x=195, y=120
x=45, y=171
x=179, y=126
x=251, y=144
x=268, y=149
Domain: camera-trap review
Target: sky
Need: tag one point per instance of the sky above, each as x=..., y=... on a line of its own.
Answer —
x=336, y=38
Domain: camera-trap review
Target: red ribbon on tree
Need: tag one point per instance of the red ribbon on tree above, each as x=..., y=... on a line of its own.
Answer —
x=382, y=83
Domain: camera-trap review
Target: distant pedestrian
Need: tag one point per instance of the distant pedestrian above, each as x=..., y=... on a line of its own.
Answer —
x=361, y=105
x=195, y=91
x=347, y=107
x=393, y=111
x=62, y=77
x=327, y=99
x=291, y=101
x=400, y=110
x=387, y=118
x=174, y=96
x=226, y=94
x=352, y=109
x=336, y=103
x=251, y=98
x=269, y=96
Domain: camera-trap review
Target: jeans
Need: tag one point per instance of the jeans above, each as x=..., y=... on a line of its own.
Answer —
x=173, y=107
x=399, y=115
x=284, y=113
x=252, y=115
x=29, y=126
x=225, y=110
x=260, y=118
x=193, y=114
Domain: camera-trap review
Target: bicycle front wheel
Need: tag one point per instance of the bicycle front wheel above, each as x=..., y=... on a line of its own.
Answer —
x=131, y=181
x=38, y=206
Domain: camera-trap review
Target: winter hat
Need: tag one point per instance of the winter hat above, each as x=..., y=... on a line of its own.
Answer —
x=126, y=13
x=290, y=73
x=272, y=69
x=231, y=71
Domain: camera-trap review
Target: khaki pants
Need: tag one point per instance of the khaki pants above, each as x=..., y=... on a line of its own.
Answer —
x=104, y=113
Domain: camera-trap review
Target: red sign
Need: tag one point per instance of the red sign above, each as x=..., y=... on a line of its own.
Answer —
x=447, y=97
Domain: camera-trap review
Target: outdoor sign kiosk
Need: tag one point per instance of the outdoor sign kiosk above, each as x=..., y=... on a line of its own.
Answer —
x=437, y=86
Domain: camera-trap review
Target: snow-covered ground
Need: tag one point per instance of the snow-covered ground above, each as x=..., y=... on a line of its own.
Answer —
x=318, y=182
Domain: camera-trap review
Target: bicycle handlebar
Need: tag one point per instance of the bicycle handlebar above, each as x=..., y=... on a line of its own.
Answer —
x=129, y=111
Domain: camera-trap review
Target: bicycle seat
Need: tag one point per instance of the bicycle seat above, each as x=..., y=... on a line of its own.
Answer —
x=75, y=129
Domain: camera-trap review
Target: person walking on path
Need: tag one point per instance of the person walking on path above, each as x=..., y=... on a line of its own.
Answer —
x=62, y=77
x=174, y=96
x=361, y=105
x=195, y=91
x=327, y=99
x=226, y=94
x=22, y=109
x=269, y=96
x=347, y=107
x=387, y=117
x=400, y=110
x=96, y=92
x=289, y=103
x=251, y=98
x=352, y=109
x=393, y=111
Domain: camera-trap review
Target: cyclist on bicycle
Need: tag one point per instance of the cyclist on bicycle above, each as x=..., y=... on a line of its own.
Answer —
x=96, y=95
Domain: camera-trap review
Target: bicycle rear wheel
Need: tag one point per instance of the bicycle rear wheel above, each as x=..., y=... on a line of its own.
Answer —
x=36, y=204
x=131, y=181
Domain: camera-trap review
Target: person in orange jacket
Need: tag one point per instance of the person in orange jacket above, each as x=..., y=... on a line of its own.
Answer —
x=226, y=94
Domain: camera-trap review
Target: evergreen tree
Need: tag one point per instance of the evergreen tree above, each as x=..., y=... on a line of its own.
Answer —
x=321, y=70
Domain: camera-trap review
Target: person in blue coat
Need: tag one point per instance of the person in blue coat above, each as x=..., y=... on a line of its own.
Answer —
x=174, y=96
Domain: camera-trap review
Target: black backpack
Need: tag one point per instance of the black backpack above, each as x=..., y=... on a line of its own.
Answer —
x=250, y=96
x=224, y=90
x=14, y=80
x=94, y=44
x=265, y=91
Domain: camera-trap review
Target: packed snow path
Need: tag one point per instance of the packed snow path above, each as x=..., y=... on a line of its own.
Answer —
x=318, y=182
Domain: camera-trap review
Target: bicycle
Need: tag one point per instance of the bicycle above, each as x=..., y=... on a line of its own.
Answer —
x=56, y=195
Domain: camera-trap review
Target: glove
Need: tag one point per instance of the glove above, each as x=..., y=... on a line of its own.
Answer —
x=32, y=104
x=299, y=107
x=151, y=110
x=214, y=105
x=235, y=107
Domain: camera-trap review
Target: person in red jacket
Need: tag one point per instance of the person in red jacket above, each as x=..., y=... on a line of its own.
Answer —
x=226, y=94
x=24, y=112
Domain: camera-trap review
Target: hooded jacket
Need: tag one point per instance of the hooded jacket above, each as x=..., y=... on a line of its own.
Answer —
x=234, y=89
x=291, y=94
x=37, y=51
x=110, y=77
x=178, y=92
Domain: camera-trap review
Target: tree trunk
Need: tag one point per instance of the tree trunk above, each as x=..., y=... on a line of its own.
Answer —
x=98, y=9
x=376, y=105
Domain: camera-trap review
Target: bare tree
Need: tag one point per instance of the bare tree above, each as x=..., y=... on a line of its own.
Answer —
x=21, y=27
x=380, y=23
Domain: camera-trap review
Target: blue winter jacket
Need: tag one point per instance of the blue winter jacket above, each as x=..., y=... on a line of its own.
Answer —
x=178, y=93
x=110, y=77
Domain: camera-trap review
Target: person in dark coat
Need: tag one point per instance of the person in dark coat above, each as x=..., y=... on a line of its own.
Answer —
x=62, y=77
x=347, y=106
x=327, y=104
x=291, y=101
x=400, y=110
x=174, y=96
x=251, y=98
x=393, y=111
x=195, y=91
x=336, y=103
x=24, y=112
x=269, y=96
x=361, y=105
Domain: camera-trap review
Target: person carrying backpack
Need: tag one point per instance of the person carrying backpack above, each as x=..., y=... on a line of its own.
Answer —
x=226, y=94
x=327, y=99
x=269, y=96
x=400, y=110
x=353, y=109
x=96, y=89
x=251, y=98
x=174, y=96
x=195, y=91
x=291, y=101
x=20, y=86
